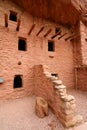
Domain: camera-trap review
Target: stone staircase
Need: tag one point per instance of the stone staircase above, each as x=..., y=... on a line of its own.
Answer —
x=62, y=104
x=67, y=102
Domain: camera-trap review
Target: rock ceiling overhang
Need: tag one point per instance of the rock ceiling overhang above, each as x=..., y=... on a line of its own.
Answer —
x=60, y=11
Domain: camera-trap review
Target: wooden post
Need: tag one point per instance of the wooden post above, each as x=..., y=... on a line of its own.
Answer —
x=40, y=31
x=76, y=77
x=31, y=29
x=49, y=31
x=41, y=107
x=18, y=24
x=6, y=20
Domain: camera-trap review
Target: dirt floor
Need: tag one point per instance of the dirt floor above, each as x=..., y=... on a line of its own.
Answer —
x=19, y=114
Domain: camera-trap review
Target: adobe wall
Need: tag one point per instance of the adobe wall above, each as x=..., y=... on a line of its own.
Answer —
x=60, y=61
x=82, y=78
x=54, y=92
x=83, y=32
x=81, y=67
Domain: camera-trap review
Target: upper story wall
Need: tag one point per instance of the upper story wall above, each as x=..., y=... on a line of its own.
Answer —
x=83, y=31
x=59, y=61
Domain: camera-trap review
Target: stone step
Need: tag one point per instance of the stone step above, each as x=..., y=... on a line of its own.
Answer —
x=57, y=82
x=68, y=98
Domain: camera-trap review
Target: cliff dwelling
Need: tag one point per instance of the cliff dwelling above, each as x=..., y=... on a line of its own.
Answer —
x=43, y=65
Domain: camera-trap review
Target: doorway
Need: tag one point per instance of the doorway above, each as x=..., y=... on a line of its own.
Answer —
x=17, y=81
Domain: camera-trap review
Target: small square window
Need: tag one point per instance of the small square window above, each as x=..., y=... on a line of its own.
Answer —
x=51, y=46
x=22, y=44
x=13, y=16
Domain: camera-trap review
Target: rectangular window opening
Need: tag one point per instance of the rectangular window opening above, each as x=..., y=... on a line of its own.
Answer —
x=51, y=46
x=54, y=74
x=22, y=44
x=13, y=16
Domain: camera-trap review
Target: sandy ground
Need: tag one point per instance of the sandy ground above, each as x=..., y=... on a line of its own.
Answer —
x=19, y=114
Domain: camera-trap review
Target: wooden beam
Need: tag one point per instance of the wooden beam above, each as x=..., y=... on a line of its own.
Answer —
x=18, y=24
x=49, y=31
x=6, y=20
x=62, y=36
x=70, y=37
x=31, y=29
x=56, y=35
x=40, y=31
x=75, y=37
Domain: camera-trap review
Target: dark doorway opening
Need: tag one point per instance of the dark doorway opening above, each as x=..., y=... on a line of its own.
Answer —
x=22, y=44
x=13, y=16
x=51, y=46
x=17, y=81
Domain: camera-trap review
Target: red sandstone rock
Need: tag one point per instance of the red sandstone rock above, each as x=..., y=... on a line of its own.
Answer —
x=41, y=107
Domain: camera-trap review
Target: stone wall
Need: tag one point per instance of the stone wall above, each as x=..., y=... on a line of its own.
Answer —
x=81, y=55
x=60, y=61
x=52, y=89
x=82, y=77
x=83, y=31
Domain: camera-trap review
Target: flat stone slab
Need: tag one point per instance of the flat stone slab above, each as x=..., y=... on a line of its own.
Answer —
x=53, y=78
x=57, y=82
x=60, y=87
x=47, y=73
x=68, y=98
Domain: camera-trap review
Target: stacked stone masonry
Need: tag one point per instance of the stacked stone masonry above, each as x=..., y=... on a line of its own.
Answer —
x=51, y=89
x=29, y=63
x=60, y=61
x=81, y=72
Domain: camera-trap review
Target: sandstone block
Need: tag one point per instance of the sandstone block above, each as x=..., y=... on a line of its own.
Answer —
x=47, y=73
x=41, y=107
x=62, y=93
x=53, y=78
x=77, y=119
x=68, y=98
x=60, y=87
x=68, y=106
x=68, y=111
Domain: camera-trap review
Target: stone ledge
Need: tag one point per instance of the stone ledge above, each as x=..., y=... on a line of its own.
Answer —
x=67, y=98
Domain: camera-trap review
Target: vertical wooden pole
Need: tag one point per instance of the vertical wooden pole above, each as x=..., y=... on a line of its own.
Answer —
x=76, y=77
x=6, y=20
x=18, y=24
